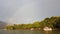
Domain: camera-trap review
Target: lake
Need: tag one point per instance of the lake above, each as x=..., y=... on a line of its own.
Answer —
x=29, y=32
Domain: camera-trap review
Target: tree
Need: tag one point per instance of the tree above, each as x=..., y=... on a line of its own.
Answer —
x=36, y=24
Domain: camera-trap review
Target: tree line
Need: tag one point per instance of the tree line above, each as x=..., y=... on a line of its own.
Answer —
x=52, y=22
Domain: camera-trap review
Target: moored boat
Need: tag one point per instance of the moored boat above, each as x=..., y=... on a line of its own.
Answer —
x=47, y=29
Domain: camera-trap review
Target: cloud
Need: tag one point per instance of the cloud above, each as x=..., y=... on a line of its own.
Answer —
x=23, y=14
x=27, y=11
x=7, y=9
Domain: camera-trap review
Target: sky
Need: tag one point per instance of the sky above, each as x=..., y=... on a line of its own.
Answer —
x=28, y=11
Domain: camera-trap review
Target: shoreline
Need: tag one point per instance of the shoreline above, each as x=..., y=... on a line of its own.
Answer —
x=30, y=29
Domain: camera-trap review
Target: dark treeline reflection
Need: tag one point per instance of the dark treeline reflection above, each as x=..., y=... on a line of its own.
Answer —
x=52, y=22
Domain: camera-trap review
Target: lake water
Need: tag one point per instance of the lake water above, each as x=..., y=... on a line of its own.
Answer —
x=28, y=32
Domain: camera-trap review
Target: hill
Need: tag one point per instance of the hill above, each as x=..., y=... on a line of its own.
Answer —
x=2, y=24
x=52, y=22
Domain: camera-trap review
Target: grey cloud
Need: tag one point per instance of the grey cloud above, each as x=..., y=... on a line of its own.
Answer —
x=36, y=9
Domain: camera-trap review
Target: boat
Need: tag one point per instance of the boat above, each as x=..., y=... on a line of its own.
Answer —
x=32, y=29
x=47, y=29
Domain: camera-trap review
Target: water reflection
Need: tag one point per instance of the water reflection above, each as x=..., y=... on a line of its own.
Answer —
x=28, y=32
x=48, y=32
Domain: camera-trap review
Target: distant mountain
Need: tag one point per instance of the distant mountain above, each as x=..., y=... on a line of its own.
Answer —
x=2, y=24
